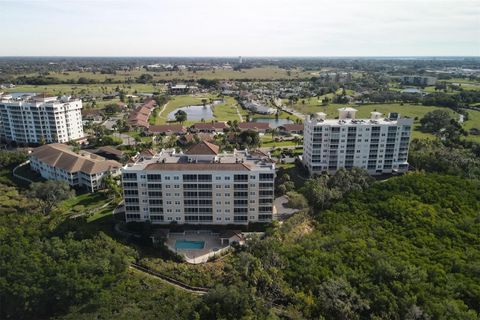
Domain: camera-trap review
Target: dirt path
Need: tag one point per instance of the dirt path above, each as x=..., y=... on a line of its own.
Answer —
x=173, y=282
x=239, y=114
x=159, y=113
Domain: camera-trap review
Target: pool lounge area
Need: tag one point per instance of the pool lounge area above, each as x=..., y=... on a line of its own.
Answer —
x=197, y=246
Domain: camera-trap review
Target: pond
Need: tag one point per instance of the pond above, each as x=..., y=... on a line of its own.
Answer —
x=274, y=123
x=194, y=113
x=19, y=94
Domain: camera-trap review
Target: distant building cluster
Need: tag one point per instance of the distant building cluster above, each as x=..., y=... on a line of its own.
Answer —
x=139, y=117
x=40, y=118
x=418, y=80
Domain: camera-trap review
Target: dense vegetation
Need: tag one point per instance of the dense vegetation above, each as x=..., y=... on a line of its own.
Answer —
x=403, y=249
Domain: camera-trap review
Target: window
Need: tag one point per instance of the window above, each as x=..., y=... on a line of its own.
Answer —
x=167, y=178
x=129, y=176
x=218, y=178
x=154, y=177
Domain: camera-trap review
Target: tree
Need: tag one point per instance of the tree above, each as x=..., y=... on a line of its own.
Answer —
x=112, y=187
x=180, y=116
x=50, y=193
x=144, y=78
x=436, y=120
x=11, y=158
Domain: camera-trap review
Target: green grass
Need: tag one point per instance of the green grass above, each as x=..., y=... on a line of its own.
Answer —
x=472, y=122
x=222, y=112
x=260, y=73
x=105, y=212
x=135, y=134
x=409, y=110
x=268, y=142
x=83, y=202
x=93, y=89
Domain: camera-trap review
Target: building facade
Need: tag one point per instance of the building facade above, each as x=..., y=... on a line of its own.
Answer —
x=58, y=162
x=39, y=119
x=200, y=186
x=419, y=80
x=378, y=145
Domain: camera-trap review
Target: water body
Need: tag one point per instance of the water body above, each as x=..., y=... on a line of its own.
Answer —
x=189, y=245
x=274, y=123
x=194, y=113
x=16, y=95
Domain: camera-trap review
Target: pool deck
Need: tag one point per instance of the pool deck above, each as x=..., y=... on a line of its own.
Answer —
x=212, y=246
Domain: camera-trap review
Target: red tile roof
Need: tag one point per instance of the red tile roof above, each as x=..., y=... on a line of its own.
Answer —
x=292, y=126
x=165, y=128
x=210, y=125
x=203, y=147
x=254, y=125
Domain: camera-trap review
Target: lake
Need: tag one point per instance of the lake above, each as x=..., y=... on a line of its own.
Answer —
x=194, y=113
x=274, y=123
x=19, y=94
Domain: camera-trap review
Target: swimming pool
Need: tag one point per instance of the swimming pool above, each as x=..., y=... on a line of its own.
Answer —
x=185, y=244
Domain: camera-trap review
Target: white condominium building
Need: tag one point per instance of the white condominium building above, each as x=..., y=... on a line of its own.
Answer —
x=58, y=162
x=200, y=186
x=37, y=119
x=378, y=145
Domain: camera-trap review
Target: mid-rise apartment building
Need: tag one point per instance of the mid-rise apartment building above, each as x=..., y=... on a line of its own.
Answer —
x=84, y=169
x=39, y=119
x=200, y=186
x=378, y=145
x=419, y=80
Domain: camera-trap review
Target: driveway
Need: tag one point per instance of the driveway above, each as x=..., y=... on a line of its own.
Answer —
x=282, y=212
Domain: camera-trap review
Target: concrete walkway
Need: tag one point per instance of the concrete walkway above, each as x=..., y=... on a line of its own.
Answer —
x=19, y=176
x=163, y=109
x=239, y=114
x=282, y=211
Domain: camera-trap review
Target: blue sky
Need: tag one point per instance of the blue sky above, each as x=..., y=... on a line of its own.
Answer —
x=243, y=27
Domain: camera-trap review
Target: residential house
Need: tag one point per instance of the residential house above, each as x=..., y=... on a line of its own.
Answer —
x=167, y=129
x=260, y=127
x=291, y=128
x=209, y=127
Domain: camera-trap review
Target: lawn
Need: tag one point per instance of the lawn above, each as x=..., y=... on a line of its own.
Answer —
x=472, y=122
x=258, y=73
x=83, y=202
x=268, y=142
x=410, y=110
x=222, y=112
x=91, y=89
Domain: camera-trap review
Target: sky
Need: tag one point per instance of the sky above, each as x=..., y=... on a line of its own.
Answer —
x=240, y=28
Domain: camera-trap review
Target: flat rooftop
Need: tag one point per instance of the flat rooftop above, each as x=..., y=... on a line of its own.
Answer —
x=357, y=122
x=170, y=160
